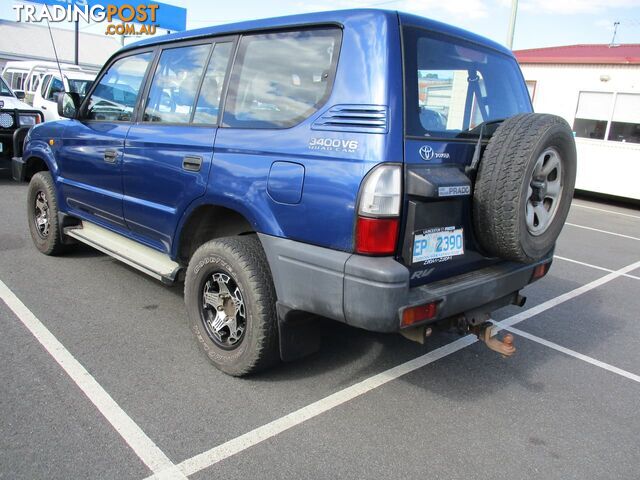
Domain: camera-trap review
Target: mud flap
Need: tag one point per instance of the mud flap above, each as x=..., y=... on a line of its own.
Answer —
x=299, y=333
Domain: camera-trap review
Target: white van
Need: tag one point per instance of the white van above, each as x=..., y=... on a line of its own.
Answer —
x=27, y=76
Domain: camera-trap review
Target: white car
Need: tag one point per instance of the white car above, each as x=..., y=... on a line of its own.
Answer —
x=46, y=96
x=15, y=116
x=27, y=76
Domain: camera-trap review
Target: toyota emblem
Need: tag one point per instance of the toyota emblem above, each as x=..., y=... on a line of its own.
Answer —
x=426, y=152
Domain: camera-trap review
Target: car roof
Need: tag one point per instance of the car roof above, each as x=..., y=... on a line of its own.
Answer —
x=323, y=18
x=443, y=28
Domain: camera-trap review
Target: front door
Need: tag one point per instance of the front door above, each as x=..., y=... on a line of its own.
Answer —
x=168, y=153
x=91, y=150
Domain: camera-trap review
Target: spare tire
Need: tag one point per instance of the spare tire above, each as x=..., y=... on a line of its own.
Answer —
x=524, y=187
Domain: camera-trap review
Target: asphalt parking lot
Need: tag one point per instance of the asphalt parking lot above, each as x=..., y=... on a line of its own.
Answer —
x=100, y=378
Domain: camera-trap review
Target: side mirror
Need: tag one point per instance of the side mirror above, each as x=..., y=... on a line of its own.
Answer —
x=68, y=104
x=20, y=95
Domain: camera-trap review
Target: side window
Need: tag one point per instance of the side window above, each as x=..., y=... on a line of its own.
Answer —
x=281, y=78
x=175, y=84
x=35, y=83
x=208, y=106
x=45, y=84
x=114, y=98
x=592, y=115
x=55, y=88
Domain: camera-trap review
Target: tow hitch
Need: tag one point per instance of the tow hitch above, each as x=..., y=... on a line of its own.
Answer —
x=485, y=333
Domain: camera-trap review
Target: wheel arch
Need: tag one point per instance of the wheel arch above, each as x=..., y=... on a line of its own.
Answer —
x=33, y=165
x=206, y=222
x=39, y=157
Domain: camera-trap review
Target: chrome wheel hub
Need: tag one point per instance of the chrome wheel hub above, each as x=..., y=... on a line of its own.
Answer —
x=223, y=310
x=41, y=218
x=545, y=191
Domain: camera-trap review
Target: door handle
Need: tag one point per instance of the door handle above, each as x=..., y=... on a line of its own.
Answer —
x=110, y=156
x=43, y=107
x=192, y=163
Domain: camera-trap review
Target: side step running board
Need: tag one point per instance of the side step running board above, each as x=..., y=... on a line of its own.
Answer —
x=139, y=256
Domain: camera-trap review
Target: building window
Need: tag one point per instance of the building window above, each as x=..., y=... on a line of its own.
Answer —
x=625, y=122
x=592, y=115
x=531, y=86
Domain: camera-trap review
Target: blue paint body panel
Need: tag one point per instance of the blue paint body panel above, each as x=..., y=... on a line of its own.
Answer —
x=90, y=185
x=156, y=187
x=286, y=180
x=300, y=183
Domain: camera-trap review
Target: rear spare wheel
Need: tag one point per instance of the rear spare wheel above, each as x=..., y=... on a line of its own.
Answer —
x=524, y=187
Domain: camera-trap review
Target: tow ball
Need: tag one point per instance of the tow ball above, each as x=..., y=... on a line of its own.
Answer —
x=486, y=333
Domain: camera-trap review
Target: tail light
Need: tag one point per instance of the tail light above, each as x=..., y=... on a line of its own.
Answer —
x=379, y=211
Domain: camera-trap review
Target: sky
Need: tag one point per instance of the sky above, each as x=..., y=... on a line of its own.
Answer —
x=540, y=23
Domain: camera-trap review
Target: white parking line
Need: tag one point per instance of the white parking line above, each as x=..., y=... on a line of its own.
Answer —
x=603, y=231
x=221, y=452
x=573, y=353
x=517, y=318
x=596, y=267
x=139, y=442
x=605, y=210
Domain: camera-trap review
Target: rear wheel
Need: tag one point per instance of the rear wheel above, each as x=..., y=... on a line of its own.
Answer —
x=230, y=300
x=42, y=213
x=524, y=187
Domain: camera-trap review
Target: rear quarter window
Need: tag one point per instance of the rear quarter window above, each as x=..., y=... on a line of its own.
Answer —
x=281, y=78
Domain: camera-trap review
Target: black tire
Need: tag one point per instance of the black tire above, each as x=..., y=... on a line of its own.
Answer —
x=47, y=239
x=243, y=260
x=507, y=194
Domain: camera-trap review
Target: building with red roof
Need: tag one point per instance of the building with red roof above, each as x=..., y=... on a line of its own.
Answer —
x=596, y=88
x=595, y=54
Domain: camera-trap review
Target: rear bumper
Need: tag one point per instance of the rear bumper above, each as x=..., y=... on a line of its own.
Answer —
x=372, y=292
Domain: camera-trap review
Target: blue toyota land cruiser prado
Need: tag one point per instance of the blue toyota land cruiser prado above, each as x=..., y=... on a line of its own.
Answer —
x=371, y=167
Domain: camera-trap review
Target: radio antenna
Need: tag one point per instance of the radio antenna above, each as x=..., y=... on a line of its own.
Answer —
x=55, y=52
x=615, y=30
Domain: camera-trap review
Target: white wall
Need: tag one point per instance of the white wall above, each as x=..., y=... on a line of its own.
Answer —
x=603, y=166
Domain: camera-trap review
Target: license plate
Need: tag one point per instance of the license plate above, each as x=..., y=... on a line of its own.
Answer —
x=434, y=244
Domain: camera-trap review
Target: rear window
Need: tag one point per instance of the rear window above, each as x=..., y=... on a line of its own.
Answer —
x=453, y=86
x=280, y=79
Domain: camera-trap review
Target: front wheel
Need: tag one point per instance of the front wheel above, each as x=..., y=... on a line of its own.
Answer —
x=230, y=301
x=42, y=213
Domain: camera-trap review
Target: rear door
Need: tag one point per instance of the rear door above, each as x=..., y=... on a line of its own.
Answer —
x=168, y=152
x=455, y=91
x=91, y=150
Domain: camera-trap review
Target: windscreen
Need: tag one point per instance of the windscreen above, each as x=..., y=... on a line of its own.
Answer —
x=81, y=87
x=453, y=86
